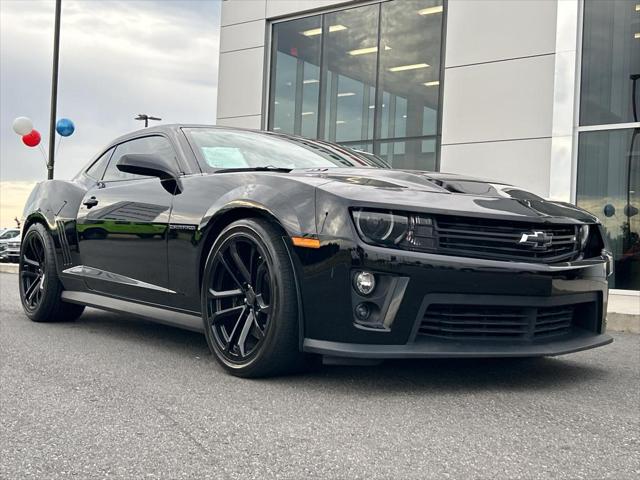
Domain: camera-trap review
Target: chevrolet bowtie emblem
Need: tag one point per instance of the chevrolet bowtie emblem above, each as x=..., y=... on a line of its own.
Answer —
x=537, y=240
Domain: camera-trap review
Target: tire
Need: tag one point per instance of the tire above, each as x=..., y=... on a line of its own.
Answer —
x=40, y=287
x=263, y=342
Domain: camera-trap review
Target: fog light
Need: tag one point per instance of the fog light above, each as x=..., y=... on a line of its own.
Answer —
x=365, y=282
x=363, y=312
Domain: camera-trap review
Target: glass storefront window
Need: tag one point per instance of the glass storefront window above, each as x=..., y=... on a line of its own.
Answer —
x=410, y=77
x=295, y=79
x=417, y=154
x=349, y=65
x=365, y=75
x=610, y=62
x=609, y=187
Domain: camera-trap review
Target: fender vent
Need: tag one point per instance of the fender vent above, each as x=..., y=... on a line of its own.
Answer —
x=64, y=243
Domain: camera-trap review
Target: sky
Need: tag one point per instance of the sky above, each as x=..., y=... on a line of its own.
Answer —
x=117, y=59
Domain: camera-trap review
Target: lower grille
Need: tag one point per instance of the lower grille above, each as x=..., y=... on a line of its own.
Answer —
x=481, y=322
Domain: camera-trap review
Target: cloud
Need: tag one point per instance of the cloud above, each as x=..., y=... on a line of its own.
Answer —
x=117, y=59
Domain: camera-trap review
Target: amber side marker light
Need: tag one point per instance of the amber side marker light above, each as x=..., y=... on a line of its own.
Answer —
x=306, y=242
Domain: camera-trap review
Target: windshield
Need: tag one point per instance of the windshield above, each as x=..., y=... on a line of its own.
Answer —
x=237, y=149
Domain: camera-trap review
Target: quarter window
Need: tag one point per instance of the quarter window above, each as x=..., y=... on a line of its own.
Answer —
x=96, y=170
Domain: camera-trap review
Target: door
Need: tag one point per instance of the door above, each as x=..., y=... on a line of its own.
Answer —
x=122, y=229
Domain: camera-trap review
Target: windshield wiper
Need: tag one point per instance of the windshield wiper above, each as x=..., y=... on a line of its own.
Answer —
x=266, y=168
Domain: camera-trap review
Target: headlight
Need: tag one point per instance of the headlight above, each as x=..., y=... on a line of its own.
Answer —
x=381, y=227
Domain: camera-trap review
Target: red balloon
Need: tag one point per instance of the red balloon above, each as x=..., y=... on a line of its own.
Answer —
x=31, y=139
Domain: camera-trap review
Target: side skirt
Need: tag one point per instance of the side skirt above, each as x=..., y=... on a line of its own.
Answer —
x=149, y=312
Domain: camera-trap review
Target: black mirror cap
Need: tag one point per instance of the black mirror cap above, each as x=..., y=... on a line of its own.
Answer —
x=148, y=165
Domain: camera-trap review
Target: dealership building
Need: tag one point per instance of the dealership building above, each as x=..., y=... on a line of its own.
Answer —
x=543, y=94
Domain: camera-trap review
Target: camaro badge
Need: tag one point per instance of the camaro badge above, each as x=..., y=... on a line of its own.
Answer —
x=537, y=240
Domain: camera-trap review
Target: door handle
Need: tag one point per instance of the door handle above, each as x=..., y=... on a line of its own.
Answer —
x=92, y=202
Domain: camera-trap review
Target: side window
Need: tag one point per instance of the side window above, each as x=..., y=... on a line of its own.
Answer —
x=96, y=169
x=155, y=145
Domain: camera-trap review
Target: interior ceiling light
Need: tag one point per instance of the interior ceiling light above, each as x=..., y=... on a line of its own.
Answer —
x=638, y=7
x=364, y=51
x=346, y=94
x=318, y=31
x=403, y=68
x=311, y=80
x=430, y=10
x=340, y=122
x=636, y=35
x=431, y=84
x=308, y=113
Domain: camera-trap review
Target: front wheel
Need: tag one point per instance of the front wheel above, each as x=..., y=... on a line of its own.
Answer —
x=249, y=301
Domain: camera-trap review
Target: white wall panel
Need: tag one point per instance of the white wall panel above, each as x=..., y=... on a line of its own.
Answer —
x=487, y=30
x=238, y=11
x=252, y=121
x=498, y=101
x=523, y=163
x=240, y=83
x=242, y=35
x=276, y=8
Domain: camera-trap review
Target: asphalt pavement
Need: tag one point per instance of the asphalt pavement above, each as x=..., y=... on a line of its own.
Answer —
x=111, y=396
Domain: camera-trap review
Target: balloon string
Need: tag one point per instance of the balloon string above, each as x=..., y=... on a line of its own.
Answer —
x=44, y=155
x=58, y=147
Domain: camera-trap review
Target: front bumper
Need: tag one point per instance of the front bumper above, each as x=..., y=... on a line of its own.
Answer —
x=416, y=280
x=422, y=348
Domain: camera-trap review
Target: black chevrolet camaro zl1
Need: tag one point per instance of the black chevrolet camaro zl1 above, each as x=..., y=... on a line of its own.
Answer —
x=282, y=249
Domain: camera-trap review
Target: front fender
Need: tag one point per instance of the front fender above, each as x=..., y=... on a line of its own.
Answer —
x=294, y=211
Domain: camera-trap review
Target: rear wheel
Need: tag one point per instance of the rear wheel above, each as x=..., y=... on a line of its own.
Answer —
x=249, y=301
x=40, y=287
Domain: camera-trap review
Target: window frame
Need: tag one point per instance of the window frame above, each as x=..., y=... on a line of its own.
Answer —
x=134, y=179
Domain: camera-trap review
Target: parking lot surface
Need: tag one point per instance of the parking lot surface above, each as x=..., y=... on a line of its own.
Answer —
x=111, y=396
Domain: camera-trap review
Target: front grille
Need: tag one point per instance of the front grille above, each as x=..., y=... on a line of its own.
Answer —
x=496, y=322
x=501, y=240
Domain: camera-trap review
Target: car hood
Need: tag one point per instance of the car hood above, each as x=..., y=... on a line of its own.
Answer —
x=443, y=193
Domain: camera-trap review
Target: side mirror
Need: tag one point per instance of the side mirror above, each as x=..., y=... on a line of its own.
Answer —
x=151, y=166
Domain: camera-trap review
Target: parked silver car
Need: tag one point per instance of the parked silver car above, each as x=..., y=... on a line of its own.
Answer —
x=10, y=245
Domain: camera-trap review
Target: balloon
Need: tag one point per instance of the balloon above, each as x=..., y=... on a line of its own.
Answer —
x=22, y=125
x=31, y=139
x=65, y=127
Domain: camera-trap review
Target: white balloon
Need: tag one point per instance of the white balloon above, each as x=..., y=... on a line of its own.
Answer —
x=22, y=125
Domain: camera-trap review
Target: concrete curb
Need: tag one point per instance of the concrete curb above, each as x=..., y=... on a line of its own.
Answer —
x=623, y=322
x=8, y=268
x=616, y=322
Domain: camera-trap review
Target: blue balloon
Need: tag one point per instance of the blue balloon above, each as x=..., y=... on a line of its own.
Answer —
x=65, y=127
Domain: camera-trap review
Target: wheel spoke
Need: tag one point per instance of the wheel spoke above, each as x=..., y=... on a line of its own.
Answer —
x=30, y=262
x=217, y=316
x=235, y=332
x=225, y=293
x=246, y=327
x=257, y=332
x=34, y=248
x=262, y=306
x=233, y=249
x=229, y=270
x=29, y=294
x=27, y=273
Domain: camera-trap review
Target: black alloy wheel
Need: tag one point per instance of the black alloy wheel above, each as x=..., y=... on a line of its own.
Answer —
x=240, y=297
x=33, y=270
x=40, y=287
x=250, y=302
